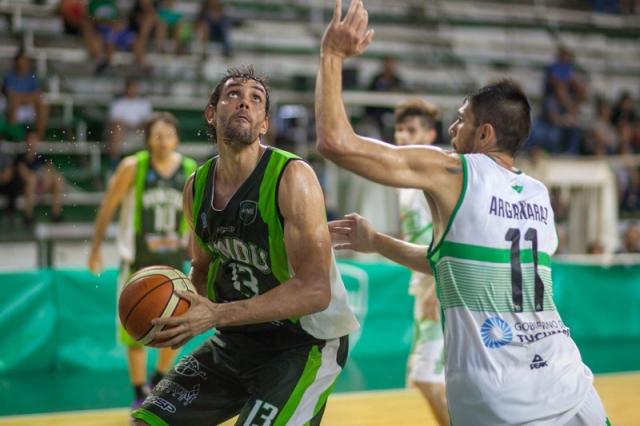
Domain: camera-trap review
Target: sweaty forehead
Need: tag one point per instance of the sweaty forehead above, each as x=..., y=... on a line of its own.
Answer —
x=247, y=83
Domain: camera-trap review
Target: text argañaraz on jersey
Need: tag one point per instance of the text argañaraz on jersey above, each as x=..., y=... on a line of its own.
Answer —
x=520, y=210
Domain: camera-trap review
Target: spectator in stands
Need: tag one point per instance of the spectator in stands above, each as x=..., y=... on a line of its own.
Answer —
x=73, y=14
x=23, y=91
x=107, y=32
x=8, y=182
x=625, y=119
x=595, y=247
x=212, y=23
x=127, y=114
x=143, y=20
x=558, y=128
x=387, y=80
x=629, y=188
x=38, y=176
x=171, y=22
x=603, y=138
x=631, y=239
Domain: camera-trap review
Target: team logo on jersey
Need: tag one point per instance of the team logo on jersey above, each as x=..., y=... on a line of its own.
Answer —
x=248, y=211
x=495, y=332
x=538, y=362
x=517, y=188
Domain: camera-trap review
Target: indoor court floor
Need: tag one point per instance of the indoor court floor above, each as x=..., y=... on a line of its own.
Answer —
x=404, y=407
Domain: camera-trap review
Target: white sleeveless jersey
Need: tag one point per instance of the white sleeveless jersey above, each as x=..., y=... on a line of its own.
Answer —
x=510, y=360
x=416, y=226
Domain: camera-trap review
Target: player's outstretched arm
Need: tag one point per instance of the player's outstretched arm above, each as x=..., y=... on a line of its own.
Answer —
x=119, y=185
x=354, y=232
x=421, y=167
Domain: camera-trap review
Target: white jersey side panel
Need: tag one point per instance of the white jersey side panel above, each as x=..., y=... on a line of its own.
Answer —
x=338, y=319
x=510, y=359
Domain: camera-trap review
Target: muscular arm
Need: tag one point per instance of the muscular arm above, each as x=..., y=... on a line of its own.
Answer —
x=420, y=167
x=354, y=232
x=308, y=247
x=200, y=259
x=118, y=187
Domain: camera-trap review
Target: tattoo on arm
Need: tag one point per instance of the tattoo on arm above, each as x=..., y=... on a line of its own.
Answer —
x=455, y=170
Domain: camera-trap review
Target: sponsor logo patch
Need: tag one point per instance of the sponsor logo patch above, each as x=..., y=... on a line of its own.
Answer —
x=495, y=332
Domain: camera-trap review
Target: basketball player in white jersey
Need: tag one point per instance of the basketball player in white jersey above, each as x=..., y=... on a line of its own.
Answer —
x=509, y=357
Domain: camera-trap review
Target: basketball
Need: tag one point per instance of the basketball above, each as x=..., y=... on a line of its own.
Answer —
x=148, y=294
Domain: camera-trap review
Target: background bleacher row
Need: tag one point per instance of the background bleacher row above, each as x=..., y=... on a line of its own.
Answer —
x=444, y=49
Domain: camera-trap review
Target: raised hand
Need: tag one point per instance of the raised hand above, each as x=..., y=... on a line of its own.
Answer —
x=353, y=232
x=349, y=36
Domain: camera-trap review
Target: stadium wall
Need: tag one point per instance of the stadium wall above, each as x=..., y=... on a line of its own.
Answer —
x=62, y=322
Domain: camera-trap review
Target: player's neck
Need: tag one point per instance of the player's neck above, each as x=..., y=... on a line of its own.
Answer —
x=235, y=165
x=165, y=165
x=503, y=159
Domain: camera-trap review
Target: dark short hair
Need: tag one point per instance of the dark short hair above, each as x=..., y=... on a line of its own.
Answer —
x=426, y=112
x=504, y=105
x=243, y=73
x=163, y=116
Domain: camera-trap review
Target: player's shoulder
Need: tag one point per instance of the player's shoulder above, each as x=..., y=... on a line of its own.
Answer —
x=298, y=167
x=129, y=163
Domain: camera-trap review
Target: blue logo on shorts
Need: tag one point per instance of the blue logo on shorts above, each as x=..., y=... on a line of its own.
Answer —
x=495, y=332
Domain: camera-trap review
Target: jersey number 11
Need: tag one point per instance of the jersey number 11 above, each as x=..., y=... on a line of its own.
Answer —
x=513, y=235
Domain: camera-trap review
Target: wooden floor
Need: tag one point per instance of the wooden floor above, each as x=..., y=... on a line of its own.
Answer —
x=620, y=394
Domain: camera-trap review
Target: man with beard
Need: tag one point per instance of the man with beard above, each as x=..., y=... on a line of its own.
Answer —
x=509, y=358
x=266, y=277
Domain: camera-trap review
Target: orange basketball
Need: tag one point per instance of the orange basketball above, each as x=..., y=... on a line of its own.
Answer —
x=149, y=294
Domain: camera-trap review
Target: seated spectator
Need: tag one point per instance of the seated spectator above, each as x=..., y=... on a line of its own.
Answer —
x=23, y=91
x=143, y=20
x=625, y=119
x=108, y=32
x=603, y=138
x=171, y=22
x=557, y=130
x=629, y=188
x=387, y=80
x=213, y=24
x=595, y=247
x=631, y=239
x=73, y=14
x=38, y=176
x=126, y=114
x=8, y=182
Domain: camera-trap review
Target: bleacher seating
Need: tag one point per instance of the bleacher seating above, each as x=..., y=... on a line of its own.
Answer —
x=444, y=49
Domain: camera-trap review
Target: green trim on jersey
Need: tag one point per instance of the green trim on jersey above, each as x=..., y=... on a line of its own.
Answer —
x=189, y=166
x=308, y=376
x=147, y=416
x=142, y=165
x=487, y=286
x=434, y=249
x=268, y=209
x=200, y=182
x=487, y=254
